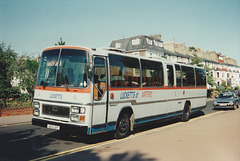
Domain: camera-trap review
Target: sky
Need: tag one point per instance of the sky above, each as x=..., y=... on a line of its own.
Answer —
x=29, y=26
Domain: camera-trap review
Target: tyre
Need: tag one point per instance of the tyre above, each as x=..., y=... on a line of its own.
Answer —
x=186, y=113
x=123, y=126
x=234, y=106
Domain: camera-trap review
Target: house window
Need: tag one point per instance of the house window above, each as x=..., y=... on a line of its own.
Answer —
x=118, y=45
x=136, y=41
x=218, y=74
x=149, y=41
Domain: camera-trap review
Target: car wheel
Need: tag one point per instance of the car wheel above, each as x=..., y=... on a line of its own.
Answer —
x=234, y=106
x=123, y=126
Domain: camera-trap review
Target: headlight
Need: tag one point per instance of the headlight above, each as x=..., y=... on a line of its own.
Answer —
x=36, y=112
x=74, y=118
x=76, y=109
x=82, y=110
x=77, y=118
x=36, y=105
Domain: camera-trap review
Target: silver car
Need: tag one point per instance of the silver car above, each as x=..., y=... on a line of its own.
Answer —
x=226, y=100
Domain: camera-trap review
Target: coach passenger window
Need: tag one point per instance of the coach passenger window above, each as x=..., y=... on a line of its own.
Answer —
x=170, y=75
x=188, y=76
x=178, y=75
x=124, y=71
x=152, y=73
x=200, y=77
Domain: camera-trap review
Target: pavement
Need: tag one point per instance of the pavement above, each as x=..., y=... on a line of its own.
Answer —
x=13, y=120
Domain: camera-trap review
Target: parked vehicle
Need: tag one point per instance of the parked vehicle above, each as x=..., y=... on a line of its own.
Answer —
x=226, y=100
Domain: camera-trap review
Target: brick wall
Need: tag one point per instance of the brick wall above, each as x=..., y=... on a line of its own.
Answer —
x=16, y=111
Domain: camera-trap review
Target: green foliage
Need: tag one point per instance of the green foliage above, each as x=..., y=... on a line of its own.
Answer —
x=220, y=88
x=7, y=60
x=24, y=97
x=60, y=42
x=25, y=69
x=192, y=49
x=11, y=68
x=195, y=60
x=224, y=84
x=210, y=79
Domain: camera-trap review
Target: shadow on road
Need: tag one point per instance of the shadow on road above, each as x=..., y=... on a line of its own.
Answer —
x=92, y=155
x=27, y=144
x=23, y=145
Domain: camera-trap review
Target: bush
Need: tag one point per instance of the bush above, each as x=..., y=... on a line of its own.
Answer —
x=220, y=88
x=215, y=93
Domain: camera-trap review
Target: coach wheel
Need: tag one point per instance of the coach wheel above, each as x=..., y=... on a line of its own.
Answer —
x=186, y=113
x=123, y=126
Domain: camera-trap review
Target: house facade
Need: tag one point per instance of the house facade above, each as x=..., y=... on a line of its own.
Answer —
x=223, y=69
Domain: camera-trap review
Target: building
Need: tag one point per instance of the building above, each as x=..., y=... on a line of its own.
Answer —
x=223, y=69
x=147, y=46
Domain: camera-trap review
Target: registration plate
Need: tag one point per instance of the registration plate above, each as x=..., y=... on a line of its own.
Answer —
x=55, y=127
x=222, y=105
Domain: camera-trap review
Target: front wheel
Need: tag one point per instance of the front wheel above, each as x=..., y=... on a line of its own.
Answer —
x=123, y=126
x=234, y=106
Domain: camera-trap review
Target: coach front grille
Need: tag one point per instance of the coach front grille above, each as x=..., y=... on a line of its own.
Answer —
x=58, y=111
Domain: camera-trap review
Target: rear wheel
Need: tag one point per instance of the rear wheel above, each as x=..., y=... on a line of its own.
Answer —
x=123, y=126
x=186, y=112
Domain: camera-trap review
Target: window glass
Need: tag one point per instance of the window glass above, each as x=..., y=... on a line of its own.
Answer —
x=99, y=78
x=170, y=75
x=178, y=75
x=48, y=68
x=152, y=73
x=200, y=77
x=63, y=68
x=188, y=76
x=72, y=68
x=124, y=71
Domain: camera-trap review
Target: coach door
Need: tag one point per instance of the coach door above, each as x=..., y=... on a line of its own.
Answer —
x=100, y=95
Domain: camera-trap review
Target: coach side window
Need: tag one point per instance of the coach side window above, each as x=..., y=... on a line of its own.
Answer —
x=152, y=73
x=124, y=71
x=188, y=76
x=170, y=75
x=178, y=75
x=200, y=77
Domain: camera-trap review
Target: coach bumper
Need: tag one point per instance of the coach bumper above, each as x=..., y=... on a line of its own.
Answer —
x=60, y=126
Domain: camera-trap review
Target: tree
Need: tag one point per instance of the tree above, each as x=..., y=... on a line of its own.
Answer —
x=210, y=79
x=25, y=69
x=60, y=42
x=192, y=49
x=195, y=60
x=7, y=60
